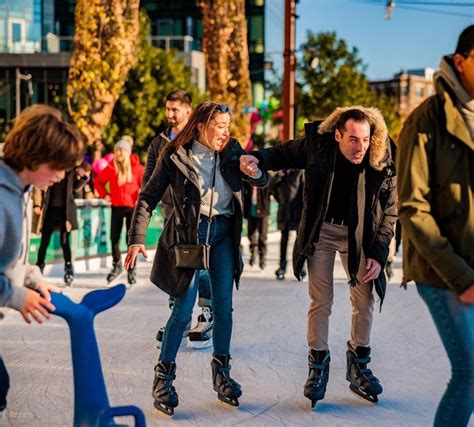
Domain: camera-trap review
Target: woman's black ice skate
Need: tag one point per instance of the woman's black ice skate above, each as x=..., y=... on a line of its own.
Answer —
x=164, y=393
x=362, y=381
x=228, y=390
x=315, y=387
x=68, y=274
x=280, y=273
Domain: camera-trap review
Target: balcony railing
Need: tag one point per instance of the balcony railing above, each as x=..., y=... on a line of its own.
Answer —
x=57, y=44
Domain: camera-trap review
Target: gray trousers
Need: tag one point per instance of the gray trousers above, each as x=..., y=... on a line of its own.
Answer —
x=333, y=238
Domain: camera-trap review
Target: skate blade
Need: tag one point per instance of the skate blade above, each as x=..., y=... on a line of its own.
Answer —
x=365, y=396
x=200, y=344
x=229, y=401
x=164, y=409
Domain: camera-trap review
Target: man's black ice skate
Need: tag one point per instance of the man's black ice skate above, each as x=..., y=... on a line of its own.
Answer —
x=363, y=382
x=131, y=276
x=68, y=274
x=115, y=272
x=280, y=273
x=315, y=387
x=228, y=390
x=161, y=333
x=201, y=335
x=164, y=393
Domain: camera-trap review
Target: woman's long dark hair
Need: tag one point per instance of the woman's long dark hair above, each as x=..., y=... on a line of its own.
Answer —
x=203, y=113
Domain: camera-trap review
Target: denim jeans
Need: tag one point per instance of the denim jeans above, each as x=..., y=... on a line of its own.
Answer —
x=204, y=292
x=454, y=321
x=221, y=274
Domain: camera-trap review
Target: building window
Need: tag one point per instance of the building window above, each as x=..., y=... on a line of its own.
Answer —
x=419, y=91
x=404, y=89
x=256, y=34
x=169, y=27
x=165, y=27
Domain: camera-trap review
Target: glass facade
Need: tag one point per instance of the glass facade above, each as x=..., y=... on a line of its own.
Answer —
x=30, y=26
x=20, y=26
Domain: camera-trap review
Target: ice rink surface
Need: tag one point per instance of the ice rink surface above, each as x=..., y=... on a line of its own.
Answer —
x=269, y=357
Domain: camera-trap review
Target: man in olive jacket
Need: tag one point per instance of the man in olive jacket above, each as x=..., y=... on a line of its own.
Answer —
x=436, y=203
x=349, y=206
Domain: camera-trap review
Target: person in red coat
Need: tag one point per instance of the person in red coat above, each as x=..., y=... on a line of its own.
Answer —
x=124, y=176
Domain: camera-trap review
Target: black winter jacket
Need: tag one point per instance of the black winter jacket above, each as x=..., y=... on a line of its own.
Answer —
x=287, y=188
x=153, y=153
x=177, y=172
x=316, y=154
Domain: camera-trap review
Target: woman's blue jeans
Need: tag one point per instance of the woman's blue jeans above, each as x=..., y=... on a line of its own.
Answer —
x=454, y=321
x=221, y=274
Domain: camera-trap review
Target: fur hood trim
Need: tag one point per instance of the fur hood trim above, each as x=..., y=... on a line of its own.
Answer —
x=379, y=151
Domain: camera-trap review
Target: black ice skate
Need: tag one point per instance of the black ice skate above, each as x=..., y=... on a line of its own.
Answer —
x=280, y=273
x=41, y=267
x=252, y=259
x=164, y=393
x=161, y=333
x=228, y=390
x=115, y=272
x=315, y=387
x=131, y=276
x=201, y=335
x=262, y=264
x=68, y=274
x=363, y=382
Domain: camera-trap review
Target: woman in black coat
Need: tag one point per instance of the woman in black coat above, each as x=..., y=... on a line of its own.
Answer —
x=201, y=155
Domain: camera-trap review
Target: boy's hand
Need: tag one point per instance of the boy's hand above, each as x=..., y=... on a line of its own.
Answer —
x=45, y=288
x=35, y=305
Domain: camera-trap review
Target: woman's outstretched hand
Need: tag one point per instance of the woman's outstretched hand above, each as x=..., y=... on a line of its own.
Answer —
x=133, y=251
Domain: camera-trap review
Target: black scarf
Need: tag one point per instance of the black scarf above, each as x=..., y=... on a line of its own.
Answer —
x=356, y=226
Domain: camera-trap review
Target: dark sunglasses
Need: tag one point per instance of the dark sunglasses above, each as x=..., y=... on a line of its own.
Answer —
x=223, y=108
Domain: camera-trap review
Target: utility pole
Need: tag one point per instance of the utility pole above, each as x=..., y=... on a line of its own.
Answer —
x=18, y=77
x=289, y=72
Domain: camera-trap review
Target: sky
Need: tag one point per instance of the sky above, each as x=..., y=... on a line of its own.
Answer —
x=412, y=39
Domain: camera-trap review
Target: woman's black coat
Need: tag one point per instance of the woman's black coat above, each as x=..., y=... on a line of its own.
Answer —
x=176, y=170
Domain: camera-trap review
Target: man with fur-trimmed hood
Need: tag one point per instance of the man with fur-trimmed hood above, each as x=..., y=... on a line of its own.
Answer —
x=349, y=207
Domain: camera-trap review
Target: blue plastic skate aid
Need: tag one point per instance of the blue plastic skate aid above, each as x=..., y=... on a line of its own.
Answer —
x=91, y=404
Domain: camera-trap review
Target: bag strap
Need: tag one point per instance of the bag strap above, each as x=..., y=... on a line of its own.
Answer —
x=209, y=219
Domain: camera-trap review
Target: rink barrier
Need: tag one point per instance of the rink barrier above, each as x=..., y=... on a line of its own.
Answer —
x=92, y=238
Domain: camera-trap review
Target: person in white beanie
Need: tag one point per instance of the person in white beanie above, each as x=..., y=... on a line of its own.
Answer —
x=124, y=175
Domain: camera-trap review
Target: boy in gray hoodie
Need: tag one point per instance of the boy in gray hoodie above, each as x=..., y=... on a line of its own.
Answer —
x=38, y=150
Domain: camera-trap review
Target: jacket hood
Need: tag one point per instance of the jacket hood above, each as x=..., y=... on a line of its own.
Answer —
x=379, y=151
x=10, y=180
x=447, y=74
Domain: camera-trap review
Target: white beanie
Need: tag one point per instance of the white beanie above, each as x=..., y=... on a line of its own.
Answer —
x=125, y=143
